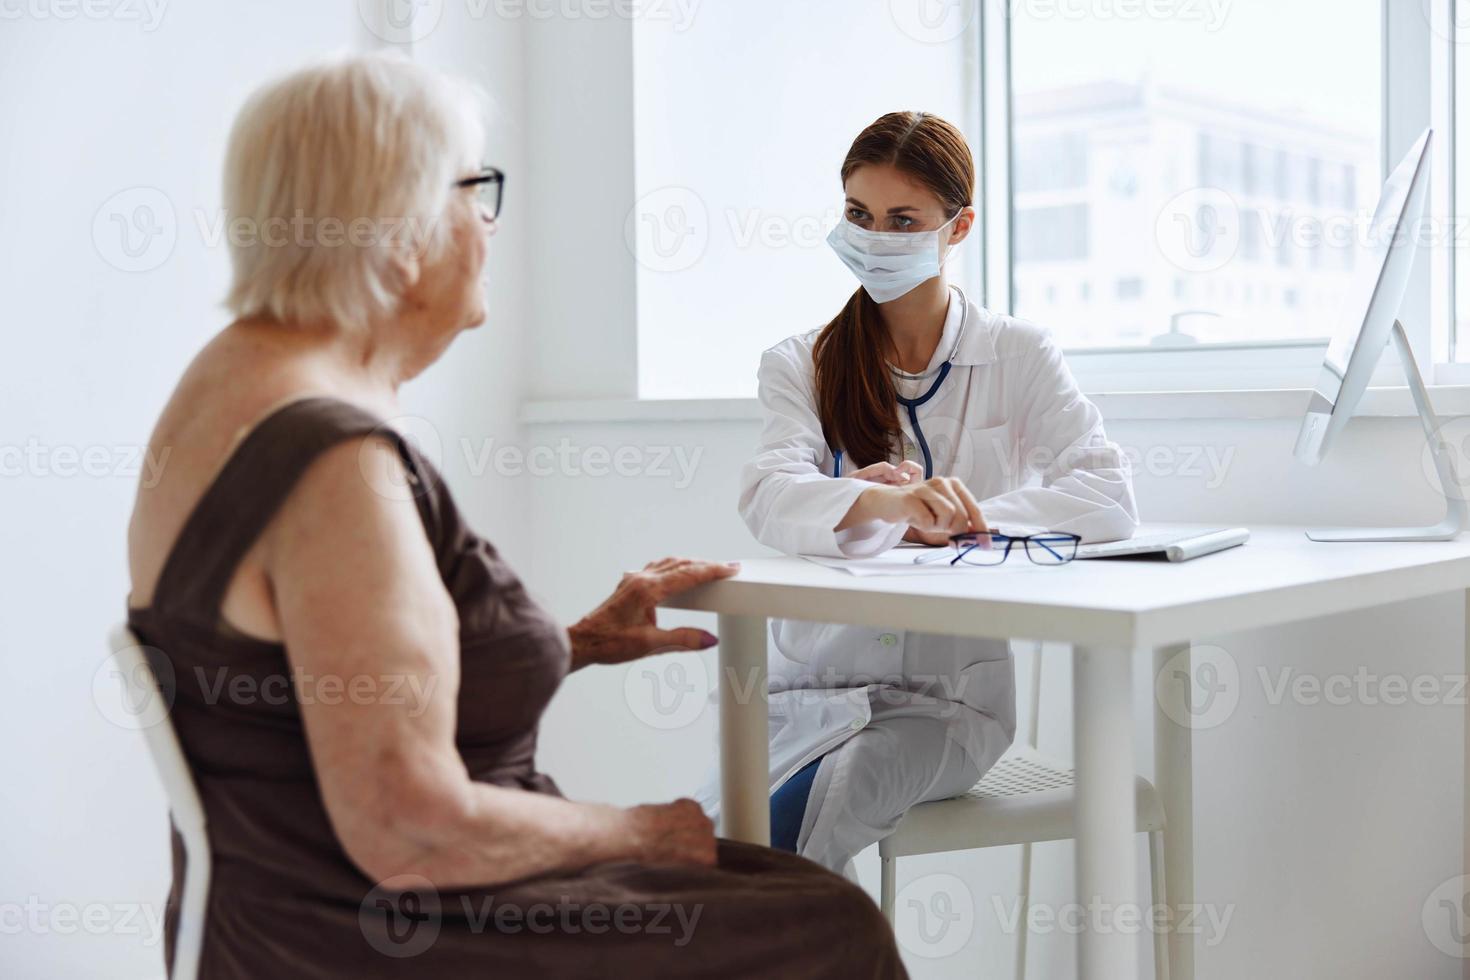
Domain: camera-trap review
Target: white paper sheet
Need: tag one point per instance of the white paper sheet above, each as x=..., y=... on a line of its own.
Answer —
x=900, y=561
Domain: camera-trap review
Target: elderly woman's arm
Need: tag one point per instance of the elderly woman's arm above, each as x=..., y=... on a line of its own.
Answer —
x=360, y=602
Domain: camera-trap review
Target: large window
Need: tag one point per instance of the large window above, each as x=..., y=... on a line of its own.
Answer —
x=743, y=114
x=1195, y=158
x=1169, y=174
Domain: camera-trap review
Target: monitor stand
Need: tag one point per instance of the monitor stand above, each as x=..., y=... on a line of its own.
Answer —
x=1455, y=510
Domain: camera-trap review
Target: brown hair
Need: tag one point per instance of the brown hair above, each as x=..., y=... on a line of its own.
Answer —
x=855, y=393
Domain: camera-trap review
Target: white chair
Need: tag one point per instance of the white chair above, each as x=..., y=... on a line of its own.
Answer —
x=183, y=799
x=1024, y=799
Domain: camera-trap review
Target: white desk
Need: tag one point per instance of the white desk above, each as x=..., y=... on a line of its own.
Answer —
x=1107, y=611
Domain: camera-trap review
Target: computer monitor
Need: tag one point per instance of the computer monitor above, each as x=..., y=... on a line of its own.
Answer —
x=1370, y=320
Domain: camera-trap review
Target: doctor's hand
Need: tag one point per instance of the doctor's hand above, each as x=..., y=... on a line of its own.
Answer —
x=625, y=627
x=933, y=539
x=933, y=509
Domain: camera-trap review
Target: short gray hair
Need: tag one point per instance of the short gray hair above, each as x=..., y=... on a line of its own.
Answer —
x=331, y=173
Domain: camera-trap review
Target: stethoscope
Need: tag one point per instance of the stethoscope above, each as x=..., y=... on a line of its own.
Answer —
x=912, y=404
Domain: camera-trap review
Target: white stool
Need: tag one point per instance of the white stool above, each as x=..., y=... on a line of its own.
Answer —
x=183, y=799
x=1025, y=798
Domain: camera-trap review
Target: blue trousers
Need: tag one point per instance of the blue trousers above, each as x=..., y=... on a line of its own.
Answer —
x=788, y=807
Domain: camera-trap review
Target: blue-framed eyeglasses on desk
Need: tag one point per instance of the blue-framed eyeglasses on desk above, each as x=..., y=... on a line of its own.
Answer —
x=994, y=547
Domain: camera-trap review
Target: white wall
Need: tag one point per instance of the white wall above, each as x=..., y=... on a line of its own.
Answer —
x=96, y=107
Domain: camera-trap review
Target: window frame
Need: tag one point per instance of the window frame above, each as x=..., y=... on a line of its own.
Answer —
x=1418, y=40
x=1446, y=34
x=1416, y=70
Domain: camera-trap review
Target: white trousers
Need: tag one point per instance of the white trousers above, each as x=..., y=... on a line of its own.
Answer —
x=864, y=786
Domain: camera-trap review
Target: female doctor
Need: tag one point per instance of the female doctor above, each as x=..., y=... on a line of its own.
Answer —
x=913, y=415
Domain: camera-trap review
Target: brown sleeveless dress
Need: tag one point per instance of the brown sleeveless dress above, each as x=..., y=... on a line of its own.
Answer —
x=286, y=903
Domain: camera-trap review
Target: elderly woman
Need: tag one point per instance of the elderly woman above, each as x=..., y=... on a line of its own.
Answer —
x=381, y=815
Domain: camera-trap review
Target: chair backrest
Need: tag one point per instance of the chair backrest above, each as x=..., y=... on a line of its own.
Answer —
x=148, y=704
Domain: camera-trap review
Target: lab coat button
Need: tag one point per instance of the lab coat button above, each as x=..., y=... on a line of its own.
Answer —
x=888, y=639
x=857, y=725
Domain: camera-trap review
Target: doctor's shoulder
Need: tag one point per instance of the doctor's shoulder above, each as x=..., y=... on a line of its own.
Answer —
x=1015, y=338
x=791, y=359
x=798, y=347
x=1029, y=353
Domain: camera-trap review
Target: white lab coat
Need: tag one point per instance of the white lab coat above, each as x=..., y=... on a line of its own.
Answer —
x=1010, y=421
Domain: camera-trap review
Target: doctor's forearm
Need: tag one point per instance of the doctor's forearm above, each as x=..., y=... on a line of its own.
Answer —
x=1097, y=513
x=869, y=506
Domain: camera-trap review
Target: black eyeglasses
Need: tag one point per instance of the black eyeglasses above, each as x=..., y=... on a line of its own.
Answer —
x=993, y=547
x=489, y=186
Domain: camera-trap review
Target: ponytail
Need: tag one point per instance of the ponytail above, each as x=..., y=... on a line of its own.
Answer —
x=855, y=394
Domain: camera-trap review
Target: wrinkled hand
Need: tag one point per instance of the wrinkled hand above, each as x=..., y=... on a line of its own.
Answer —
x=625, y=627
x=670, y=833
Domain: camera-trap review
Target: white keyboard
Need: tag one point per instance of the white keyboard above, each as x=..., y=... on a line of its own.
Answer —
x=1173, y=545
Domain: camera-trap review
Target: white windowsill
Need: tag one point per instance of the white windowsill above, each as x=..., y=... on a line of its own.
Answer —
x=1116, y=406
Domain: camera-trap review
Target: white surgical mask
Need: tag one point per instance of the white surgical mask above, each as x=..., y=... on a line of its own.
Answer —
x=889, y=263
